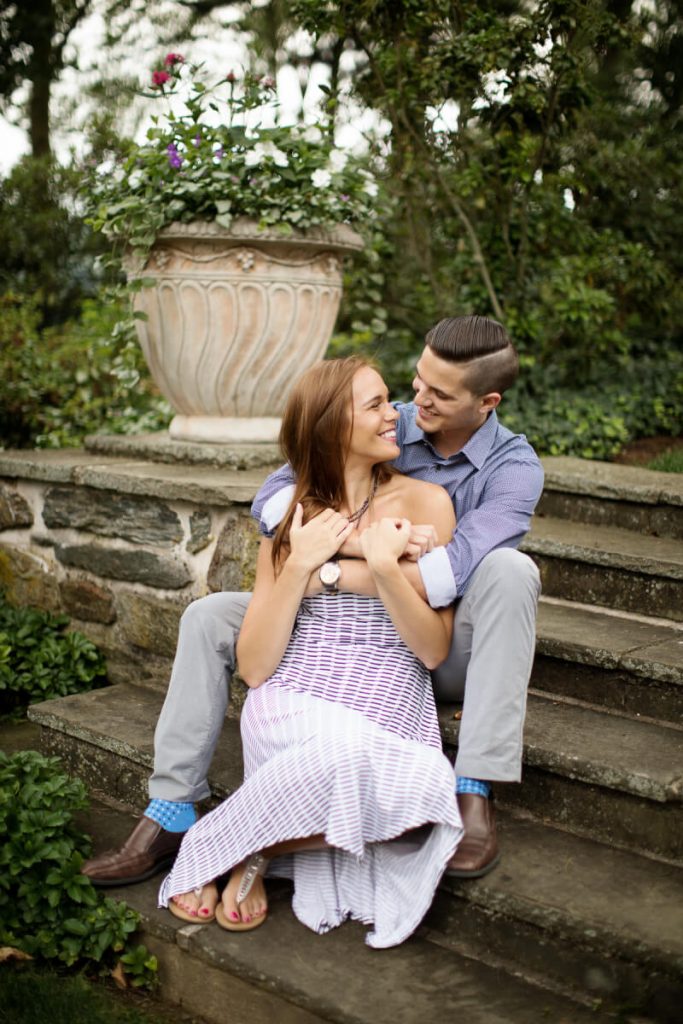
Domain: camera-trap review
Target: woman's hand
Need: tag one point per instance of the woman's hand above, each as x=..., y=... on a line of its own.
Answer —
x=383, y=543
x=320, y=538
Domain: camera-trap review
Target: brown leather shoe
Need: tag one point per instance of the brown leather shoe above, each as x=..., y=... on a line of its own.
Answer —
x=148, y=849
x=478, y=850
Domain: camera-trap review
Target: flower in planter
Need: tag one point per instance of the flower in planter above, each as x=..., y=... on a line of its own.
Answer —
x=215, y=161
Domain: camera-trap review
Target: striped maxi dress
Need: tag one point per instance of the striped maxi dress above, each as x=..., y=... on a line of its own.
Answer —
x=342, y=740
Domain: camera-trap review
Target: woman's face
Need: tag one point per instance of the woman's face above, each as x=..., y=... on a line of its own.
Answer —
x=373, y=434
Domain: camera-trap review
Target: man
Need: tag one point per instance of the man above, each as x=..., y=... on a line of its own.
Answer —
x=449, y=435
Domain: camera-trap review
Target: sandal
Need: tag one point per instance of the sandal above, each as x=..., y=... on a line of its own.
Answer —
x=256, y=865
x=185, y=915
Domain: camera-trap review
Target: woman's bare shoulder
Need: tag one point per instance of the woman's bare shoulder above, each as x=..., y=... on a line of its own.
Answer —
x=418, y=499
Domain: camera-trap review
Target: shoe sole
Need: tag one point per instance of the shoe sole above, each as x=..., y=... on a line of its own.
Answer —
x=112, y=883
x=454, y=873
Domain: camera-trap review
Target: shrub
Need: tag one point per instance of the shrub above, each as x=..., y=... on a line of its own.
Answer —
x=47, y=907
x=59, y=384
x=635, y=398
x=40, y=660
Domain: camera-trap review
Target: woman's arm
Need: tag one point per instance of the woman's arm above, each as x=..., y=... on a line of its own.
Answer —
x=272, y=610
x=426, y=632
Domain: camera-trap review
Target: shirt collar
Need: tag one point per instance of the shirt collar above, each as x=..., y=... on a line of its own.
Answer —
x=475, y=451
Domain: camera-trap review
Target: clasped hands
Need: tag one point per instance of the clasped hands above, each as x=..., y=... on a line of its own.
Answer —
x=381, y=543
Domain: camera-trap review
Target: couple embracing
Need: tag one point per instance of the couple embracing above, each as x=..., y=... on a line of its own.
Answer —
x=365, y=585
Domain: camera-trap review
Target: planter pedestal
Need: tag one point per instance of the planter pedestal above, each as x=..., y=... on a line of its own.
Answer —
x=225, y=429
x=233, y=318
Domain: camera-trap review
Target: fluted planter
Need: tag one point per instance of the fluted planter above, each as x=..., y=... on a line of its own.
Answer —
x=233, y=317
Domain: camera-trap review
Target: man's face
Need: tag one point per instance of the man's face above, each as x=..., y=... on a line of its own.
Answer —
x=444, y=403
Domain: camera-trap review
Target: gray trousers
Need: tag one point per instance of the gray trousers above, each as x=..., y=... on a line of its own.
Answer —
x=488, y=668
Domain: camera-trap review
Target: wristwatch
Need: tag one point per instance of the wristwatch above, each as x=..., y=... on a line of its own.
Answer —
x=330, y=573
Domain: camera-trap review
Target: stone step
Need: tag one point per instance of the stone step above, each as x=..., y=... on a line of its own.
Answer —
x=601, y=775
x=605, y=776
x=283, y=972
x=620, y=661
x=604, y=494
x=608, y=566
x=589, y=918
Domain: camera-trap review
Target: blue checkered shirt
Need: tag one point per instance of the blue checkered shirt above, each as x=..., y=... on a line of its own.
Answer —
x=494, y=482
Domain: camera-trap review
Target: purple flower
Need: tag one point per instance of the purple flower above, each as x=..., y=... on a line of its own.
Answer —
x=198, y=139
x=219, y=153
x=344, y=198
x=174, y=157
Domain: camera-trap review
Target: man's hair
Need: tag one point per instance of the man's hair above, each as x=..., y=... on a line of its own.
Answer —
x=484, y=348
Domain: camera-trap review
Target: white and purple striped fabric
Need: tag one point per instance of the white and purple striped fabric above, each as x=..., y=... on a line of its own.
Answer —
x=342, y=740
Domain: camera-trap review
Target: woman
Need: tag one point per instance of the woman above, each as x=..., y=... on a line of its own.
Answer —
x=341, y=741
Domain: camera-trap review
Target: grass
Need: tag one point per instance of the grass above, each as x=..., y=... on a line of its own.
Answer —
x=670, y=461
x=32, y=996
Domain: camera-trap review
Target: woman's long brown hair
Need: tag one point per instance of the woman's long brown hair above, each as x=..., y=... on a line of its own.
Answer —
x=314, y=439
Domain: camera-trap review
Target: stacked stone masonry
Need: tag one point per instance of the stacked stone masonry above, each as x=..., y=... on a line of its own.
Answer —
x=124, y=553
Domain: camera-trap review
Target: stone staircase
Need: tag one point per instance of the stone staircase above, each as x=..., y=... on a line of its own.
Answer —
x=583, y=919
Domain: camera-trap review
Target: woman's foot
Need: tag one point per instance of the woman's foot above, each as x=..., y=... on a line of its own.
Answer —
x=252, y=910
x=199, y=905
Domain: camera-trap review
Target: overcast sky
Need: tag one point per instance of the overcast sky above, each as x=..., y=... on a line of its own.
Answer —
x=217, y=45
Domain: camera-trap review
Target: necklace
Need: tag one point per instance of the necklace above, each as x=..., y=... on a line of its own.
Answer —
x=360, y=512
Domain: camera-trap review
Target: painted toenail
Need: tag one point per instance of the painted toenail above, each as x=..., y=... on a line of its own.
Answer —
x=234, y=916
x=204, y=911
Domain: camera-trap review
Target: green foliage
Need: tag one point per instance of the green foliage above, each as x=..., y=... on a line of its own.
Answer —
x=191, y=168
x=32, y=996
x=39, y=660
x=533, y=176
x=60, y=383
x=668, y=462
x=637, y=398
x=47, y=249
x=47, y=907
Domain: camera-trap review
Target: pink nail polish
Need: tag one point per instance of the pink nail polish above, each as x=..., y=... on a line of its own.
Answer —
x=234, y=916
x=204, y=912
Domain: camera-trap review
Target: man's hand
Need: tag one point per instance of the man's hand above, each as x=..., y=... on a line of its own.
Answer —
x=423, y=538
x=351, y=547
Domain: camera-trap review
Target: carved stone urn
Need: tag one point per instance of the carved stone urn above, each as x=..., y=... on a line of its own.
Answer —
x=233, y=317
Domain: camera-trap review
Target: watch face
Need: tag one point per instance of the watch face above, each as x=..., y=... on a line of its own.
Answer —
x=330, y=573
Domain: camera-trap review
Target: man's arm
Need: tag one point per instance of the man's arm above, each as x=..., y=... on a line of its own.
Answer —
x=356, y=578
x=501, y=519
x=272, y=499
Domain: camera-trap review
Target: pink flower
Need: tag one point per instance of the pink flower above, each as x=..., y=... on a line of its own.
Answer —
x=268, y=82
x=160, y=77
x=173, y=58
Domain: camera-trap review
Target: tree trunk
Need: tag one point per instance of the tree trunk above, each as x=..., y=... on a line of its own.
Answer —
x=41, y=74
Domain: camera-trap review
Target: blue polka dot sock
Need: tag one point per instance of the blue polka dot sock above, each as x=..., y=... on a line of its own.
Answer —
x=475, y=786
x=172, y=815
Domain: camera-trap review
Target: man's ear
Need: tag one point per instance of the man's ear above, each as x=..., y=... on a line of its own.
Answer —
x=490, y=402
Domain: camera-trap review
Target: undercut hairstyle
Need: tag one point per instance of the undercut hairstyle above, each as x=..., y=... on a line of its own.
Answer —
x=314, y=439
x=482, y=347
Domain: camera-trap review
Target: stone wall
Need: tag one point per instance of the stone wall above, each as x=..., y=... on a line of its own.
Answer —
x=123, y=545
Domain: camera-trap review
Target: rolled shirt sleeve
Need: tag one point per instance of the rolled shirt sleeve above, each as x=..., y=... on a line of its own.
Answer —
x=272, y=500
x=501, y=519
